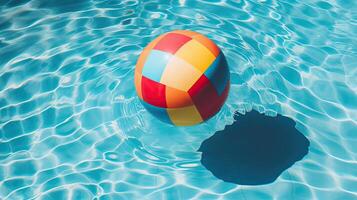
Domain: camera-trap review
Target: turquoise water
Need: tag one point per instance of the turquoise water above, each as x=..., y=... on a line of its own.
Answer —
x=72, y=127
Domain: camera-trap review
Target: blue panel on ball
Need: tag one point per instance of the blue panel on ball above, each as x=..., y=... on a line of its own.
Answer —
x=218, y=73
x=155, y=65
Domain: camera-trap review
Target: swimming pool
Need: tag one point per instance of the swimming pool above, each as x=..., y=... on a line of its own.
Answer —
x=72, y=126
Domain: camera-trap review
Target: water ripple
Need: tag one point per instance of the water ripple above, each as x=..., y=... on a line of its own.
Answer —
x=72, y=127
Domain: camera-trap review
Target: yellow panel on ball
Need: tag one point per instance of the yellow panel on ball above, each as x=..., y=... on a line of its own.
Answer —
x=179, y=74
x=196, y=54
x=184, y=116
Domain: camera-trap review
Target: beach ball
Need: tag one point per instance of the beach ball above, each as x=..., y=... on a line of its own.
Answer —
x=182, y=78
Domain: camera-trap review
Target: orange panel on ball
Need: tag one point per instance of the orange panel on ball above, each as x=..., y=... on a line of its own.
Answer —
x=137, y=80
x=209, y=44
x=177, y=98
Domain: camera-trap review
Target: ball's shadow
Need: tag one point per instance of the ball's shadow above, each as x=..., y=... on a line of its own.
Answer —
x=254, y=150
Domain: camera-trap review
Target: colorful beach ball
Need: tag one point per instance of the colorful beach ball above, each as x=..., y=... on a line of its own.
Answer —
x=182, y=78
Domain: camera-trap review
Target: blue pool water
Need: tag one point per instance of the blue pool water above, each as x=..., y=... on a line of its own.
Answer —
x=72, y=127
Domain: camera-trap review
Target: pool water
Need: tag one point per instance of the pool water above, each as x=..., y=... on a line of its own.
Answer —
x=72, y=126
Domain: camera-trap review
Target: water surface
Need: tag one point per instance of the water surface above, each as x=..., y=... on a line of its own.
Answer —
x=72, y=127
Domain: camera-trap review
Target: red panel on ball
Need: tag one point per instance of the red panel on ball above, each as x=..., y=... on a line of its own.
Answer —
x=218, y=103
x=205, y=97
x=171, y=42
x=153, y=92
